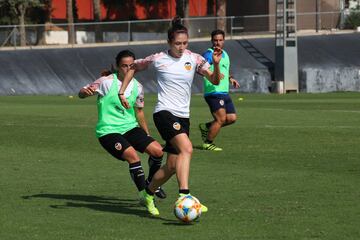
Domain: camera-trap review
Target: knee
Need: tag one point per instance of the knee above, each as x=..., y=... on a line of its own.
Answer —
x=221, y=120
x=130, y=156
x=231, y=119
x=157, y=152
x=171, y=167
x=188, y=150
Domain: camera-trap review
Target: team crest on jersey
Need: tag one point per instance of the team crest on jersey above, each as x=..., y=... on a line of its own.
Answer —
x=187, y=66
x=176, y=126
x=221, y=102
x=118, y=146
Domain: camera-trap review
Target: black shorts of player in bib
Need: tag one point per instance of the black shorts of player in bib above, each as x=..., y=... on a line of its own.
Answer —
x=116, y=143
x=169, y=126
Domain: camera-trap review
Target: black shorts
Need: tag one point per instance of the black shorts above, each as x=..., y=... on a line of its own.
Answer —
x=217, y=101
x=116, y=143
x=169, y=126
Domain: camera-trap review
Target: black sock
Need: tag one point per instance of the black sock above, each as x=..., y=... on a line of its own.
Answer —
x=137, y=175
x=154, y=165
x=184, y=191
x=148, y=191
x=208, y=125
x=208, y=141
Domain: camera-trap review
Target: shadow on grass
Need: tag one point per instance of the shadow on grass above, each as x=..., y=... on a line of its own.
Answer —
x=199, y=147
x=104, y=204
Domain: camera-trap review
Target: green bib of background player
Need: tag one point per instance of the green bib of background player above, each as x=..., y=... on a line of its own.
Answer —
x=223, y=86
x=112, y=116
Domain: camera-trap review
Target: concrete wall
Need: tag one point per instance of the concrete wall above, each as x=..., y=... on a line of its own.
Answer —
x=315, y=80
x=326, y=63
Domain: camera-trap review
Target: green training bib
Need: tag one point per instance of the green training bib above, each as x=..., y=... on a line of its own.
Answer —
x=112, y=116
x=224, y=69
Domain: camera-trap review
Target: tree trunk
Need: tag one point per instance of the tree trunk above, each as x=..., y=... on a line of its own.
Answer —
x=221, y=14
x=22, y=11
x=70, y=20
x=182, y=10
x=97, y=19
x=40, y=35
x=210, y=8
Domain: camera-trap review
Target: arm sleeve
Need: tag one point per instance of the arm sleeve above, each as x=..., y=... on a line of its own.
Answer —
x=96, y=85
x=202, y=64
x=208, y=56
x=144, y=63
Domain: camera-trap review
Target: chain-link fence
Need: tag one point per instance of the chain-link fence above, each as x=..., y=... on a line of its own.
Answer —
x=156, y=30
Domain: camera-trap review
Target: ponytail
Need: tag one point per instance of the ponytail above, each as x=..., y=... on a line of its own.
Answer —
x=176, y=27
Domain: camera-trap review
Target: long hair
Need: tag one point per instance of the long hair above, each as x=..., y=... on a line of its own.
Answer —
x=176, y=27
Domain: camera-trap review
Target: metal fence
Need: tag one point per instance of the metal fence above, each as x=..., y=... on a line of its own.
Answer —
x=127, y=32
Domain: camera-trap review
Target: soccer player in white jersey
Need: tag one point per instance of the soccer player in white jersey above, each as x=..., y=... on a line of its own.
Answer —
x=175, y=70
x=123, y=131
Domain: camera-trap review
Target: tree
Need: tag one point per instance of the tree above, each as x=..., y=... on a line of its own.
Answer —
x=210, y=8
x=70, y=20
x=40, y=15
x=19, y=8
x=97, y=19
x=353, y=20
x=125, y=6
x=7, y=17
x=154, y=9
x=221, y=14
x=121, y=6
x=182, y=10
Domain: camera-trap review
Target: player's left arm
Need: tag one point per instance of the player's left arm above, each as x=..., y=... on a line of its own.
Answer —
x=233, y=82
x=139, y=109
x=140, y=116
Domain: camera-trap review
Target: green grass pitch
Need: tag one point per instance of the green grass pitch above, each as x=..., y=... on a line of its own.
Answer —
x=290, y=169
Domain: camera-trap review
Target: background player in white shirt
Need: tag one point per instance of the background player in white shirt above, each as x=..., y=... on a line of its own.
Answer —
x=175, y=70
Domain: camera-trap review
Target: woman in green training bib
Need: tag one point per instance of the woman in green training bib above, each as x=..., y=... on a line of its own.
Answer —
x=123, y=131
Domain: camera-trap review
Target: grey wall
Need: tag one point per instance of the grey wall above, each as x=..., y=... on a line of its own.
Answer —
x=326, y=63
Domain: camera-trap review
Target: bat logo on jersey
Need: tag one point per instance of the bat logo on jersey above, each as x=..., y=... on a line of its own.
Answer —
x=221, y=102
x=187, y=66
x=118, y=146
x=176, y=126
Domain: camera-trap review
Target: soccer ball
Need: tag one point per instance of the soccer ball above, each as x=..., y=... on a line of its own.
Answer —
x=187, y=208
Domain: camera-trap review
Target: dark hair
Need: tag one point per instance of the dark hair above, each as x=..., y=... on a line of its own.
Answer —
x=119, y=56
x=123, y=54
x=217, y=32
x=176, y=27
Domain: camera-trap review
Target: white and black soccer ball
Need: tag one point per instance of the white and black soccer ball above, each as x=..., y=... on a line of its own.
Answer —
x=187, y=208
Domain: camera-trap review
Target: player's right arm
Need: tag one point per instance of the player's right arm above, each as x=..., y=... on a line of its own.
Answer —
x=89, y=89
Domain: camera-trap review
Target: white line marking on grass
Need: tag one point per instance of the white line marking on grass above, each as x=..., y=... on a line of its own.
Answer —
x=302, y=126
x=341, y=111
x=46, y=125
x=309, y=110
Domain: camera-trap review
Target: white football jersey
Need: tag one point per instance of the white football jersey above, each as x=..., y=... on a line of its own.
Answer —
x=174, y=77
